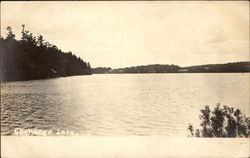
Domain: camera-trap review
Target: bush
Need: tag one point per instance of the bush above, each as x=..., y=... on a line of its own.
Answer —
x=222, y=122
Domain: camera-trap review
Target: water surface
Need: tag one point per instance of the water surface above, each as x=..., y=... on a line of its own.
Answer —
x=119, y=104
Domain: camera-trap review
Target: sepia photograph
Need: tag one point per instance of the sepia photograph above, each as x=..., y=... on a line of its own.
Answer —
x=125, y=79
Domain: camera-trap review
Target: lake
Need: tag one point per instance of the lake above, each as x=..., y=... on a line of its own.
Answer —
x=119, y=104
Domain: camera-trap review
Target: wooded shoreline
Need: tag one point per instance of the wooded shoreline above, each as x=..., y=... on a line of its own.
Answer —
x=237, y=67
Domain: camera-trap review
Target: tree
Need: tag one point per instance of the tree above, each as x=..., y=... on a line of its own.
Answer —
x=23, y=34
x=10, y=34
x=40, y=40
x=28, y=37
x=222, y=122
x=34, y=58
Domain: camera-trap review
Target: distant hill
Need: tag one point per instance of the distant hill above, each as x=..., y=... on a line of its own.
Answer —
x=228, y=67
x=33, y=58
x=101, y=70
x=158, y=68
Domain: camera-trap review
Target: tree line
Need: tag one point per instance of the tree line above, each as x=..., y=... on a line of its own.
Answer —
x=158, y=68
x=214, y=68
x=32, y=57
x=101, y=70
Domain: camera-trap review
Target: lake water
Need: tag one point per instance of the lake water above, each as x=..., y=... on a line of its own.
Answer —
x=119, y=104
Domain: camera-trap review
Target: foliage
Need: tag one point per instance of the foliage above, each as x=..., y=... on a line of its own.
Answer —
x=157, y=68
x=101, y=70
x=33, y=58
x=228, y=67
x=222, y=122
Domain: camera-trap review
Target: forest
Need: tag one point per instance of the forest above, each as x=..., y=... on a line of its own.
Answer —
x=101, y=70
x=236, y=67
x=156, y=68
x=228, y=67
x=32, y=57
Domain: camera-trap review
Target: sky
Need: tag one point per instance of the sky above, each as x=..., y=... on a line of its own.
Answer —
x=128, y=33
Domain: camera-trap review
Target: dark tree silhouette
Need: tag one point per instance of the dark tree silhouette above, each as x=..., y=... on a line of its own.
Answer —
x=157, y=68
x=34, y=58
x=222, y=122
x=101, y=70
x=10, y=34
x=215, y=68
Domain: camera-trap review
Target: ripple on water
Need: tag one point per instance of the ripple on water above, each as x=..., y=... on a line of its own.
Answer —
x=118, y=105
